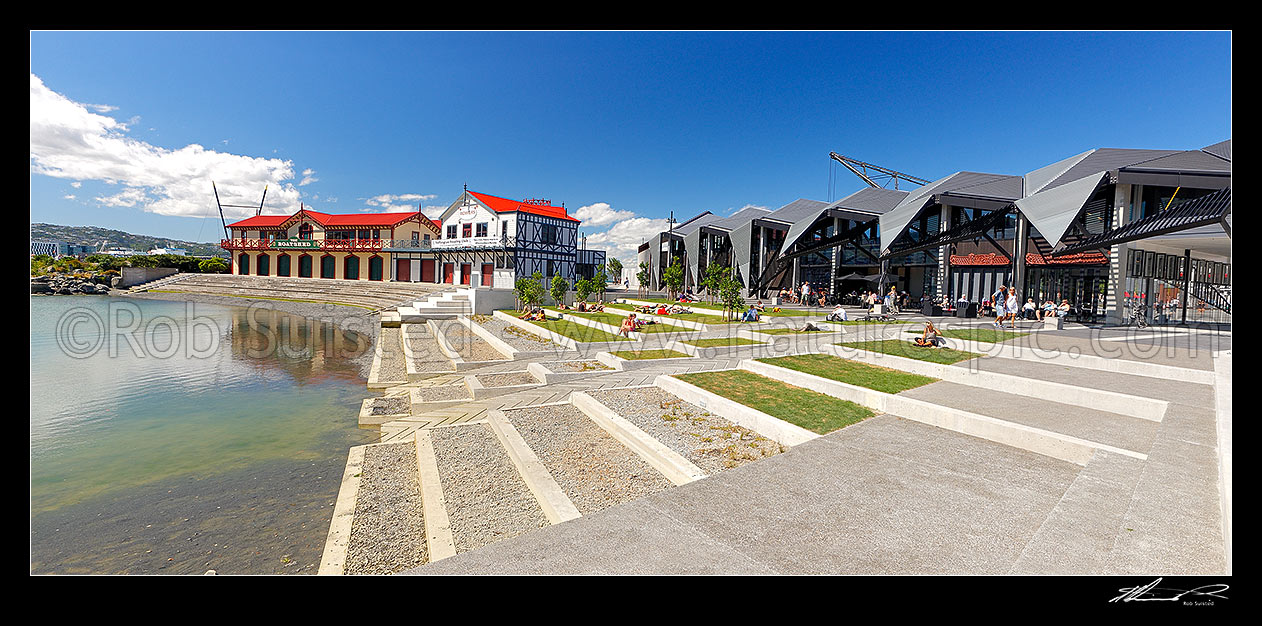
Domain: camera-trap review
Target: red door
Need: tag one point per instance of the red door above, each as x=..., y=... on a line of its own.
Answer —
x=466, y=272
x=487, y=274
x=427, y=271
x=449, y=273
x=403, y=270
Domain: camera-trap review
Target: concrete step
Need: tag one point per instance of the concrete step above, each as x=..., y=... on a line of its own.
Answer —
x=1173, y=391
x=1079, y=534
x=1120, y=431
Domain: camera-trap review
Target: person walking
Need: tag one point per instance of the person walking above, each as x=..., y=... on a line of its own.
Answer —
x=1000, y=299
x=1013, y=307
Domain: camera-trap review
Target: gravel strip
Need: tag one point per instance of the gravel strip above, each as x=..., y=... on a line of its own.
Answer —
x=711, y=442
x=388, y=533
x=593, y=469
x=486, y=498
x=422, y=343
x=439, y=393
x=562, y=367
x=469, y=345
x=508, y=379
x=393, y=368
x=426, y=355
x=514, y=336
x=393, y=405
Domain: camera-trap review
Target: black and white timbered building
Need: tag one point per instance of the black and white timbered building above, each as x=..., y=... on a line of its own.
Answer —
x=489, y=241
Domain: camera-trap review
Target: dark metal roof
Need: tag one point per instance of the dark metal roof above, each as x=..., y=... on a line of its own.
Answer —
x=1206, y=210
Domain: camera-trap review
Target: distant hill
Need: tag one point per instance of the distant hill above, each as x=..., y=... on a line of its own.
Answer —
x=94, y=235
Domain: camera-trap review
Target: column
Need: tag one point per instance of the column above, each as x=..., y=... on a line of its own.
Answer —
x=1115, y=292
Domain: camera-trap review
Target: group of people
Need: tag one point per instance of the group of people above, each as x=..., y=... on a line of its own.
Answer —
x=1008, y=308
x=583, y=307
x=661, y=309
x=806, y=295
x=632, y=324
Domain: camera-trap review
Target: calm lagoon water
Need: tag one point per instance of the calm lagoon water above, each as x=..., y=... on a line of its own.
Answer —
x=214, y=438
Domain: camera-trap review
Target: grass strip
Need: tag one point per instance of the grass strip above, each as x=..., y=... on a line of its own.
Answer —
x=816, y=412
x=643, y=355
x=791, y=331
x=851, y=372
x=703, y=318
x=768, y=312
x=987, y=335
x=722, y=341
x=864, y=322
x=899, y=347
x=578, y=332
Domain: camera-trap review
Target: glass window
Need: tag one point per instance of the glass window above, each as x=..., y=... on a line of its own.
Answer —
x=451, y=231
x=466, y=230
x=481, y=231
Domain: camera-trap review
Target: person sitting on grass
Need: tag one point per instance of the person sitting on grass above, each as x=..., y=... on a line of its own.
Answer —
x=758, y=307
x=628, y=326
x=599, y=307
x=931, y=337
x=750, y=315
x=838, y=315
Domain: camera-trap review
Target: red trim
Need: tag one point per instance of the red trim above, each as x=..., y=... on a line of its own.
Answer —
x=1031, y=258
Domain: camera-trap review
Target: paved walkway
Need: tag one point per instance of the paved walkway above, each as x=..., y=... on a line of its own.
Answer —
x=895, y=496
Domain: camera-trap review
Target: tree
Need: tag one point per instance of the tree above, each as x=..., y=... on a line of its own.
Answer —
x=730, y=294
x=529, y=291
x=213, y=266
x=600, y=280
x=615, y=270
x=712, y=280
x=584, y=288
x=559, y=287
x=673, y=279
x=642, y=278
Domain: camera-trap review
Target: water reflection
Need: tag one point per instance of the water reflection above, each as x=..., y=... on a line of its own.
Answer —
x=305, y=348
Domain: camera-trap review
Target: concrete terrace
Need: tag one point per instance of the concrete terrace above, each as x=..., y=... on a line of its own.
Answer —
x=1034, y=459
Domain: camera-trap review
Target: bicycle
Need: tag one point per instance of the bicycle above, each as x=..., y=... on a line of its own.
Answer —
x=1138, y=316
x=889, y=315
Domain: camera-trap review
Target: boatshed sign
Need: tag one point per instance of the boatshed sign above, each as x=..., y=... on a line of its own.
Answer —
x=295, y=244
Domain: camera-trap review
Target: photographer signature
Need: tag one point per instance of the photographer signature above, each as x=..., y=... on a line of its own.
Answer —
x=1148, y=593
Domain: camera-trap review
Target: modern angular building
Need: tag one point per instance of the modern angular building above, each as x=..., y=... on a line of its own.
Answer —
x=479, y=240
x=1106, y=229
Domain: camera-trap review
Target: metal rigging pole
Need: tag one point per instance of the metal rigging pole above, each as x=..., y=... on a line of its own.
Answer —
x=860, y=169
x=257, y=210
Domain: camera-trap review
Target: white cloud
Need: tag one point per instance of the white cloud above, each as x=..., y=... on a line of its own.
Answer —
x=129, y=197
x=76, y=184
x=308, y=177
x=747, y=206
x=401, y=203
x=101, y=108
x=623, y=240
x=69, y=196
x=70, y=141
x=600, y=213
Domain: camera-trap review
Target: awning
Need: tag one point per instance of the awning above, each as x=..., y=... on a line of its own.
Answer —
x=1053, y=210
x=1207, y=210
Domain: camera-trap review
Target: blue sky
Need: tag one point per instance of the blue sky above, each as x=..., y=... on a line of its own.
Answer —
x=129, y=128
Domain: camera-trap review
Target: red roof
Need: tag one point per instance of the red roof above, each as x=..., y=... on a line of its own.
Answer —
x=378, y=220
x=504, y=205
